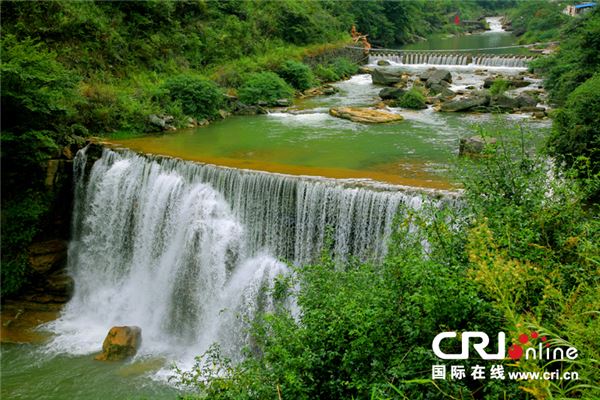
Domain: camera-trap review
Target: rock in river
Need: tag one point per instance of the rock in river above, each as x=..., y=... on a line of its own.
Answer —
x=121, y=342
x=503, y=102
x=390, y=93
x=465, y=104
x=365, y=115
x=380, y=77
x=436, y=76
x=474, y=145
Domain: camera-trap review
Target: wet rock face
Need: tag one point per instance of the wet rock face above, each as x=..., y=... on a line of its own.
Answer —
x=162, y=122
x=365, y=115
x=121, y=343
x=439, y=89
x=47, y=256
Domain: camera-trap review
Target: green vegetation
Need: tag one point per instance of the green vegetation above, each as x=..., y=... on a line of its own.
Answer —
x=337, y=69
x=576, y=60
x=538, y=20
x=499, y=86
x=21, y=218
x=576, y=135
x=325, y=74
x=264, y=87
x=197, y=96
x=414, y=99
x=571, y=77
x=343, y=68
x=297, y=74
x=511, y=259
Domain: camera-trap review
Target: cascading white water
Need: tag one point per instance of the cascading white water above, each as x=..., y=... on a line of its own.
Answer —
x=481, y=60
x=495, y=24
x=186, y=251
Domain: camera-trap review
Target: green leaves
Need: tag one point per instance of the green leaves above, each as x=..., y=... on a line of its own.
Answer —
x=413, y=99
x=265, y=87
x=297, y=74
x=37, y=90
x=198, y=97
x=575, y=138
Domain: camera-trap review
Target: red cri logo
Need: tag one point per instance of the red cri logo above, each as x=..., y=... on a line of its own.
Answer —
x=515, y=351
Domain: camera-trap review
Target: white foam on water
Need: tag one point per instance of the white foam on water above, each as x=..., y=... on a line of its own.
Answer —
x=495, y=24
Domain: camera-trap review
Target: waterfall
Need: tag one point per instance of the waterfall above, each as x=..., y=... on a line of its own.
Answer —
x=188, y=251
x=477, y=60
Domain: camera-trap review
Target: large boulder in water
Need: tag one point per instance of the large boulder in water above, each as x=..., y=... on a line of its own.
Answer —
x=436, y=76
x=442, y=90
x=503, y=103
x=121, y=342
x=474, y=145
x=365, y=115
x=525, y=100
x=465, y=104
x=380, y=77
x=391, y=93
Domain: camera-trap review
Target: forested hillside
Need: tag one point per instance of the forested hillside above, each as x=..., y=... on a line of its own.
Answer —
x=109, y=60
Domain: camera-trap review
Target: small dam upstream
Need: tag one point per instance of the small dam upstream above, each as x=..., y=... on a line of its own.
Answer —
x=187, y=251
x=456, y=59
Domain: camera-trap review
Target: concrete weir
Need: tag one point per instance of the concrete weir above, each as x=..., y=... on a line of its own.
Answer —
x=463, y=59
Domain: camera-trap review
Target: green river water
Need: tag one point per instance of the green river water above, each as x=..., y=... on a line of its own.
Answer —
x=418, y=151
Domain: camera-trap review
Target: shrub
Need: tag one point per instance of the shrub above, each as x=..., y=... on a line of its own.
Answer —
x=297, y=74
x=37, y=90
x=199, y=97
x=265, y=87
x=525, y=225
x=339, y=68
x=326, y=74
x=576, y=130
x=344, y=68
x=412, y=99
x=499, y=86
x=576, y=59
